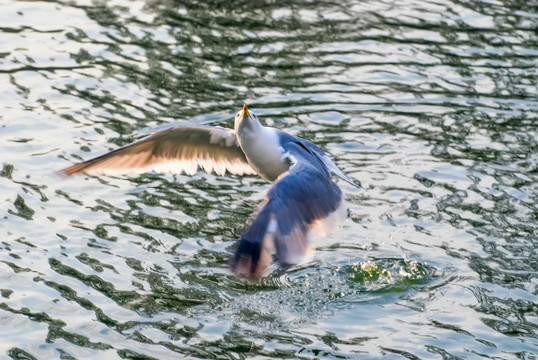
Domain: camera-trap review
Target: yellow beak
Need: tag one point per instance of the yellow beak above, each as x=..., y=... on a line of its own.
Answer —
x=245, y=111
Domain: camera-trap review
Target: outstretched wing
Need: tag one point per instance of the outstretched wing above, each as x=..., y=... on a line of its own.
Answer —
x=313, y=149
x=303, y=202
x=178, y=149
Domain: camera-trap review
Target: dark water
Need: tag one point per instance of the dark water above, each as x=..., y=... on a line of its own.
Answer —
x=432, y=105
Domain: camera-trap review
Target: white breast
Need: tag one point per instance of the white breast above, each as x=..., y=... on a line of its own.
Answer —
x=264, y=153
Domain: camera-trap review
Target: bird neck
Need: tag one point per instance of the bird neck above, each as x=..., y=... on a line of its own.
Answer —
x=247, y=128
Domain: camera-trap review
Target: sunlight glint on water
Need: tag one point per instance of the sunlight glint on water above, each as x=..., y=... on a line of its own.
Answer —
x=430, y=105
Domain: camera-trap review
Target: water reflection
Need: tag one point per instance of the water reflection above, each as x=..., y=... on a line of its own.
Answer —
x=431, y=105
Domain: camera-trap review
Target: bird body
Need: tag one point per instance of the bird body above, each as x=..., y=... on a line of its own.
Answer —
x=302, y=202
x=263, y=152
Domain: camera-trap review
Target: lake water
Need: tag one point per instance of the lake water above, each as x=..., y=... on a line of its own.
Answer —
x=431, y=104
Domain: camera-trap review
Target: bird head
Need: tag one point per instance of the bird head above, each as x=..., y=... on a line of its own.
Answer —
x=246, y=120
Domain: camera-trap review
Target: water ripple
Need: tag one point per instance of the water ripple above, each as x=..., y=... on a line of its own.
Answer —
x=431, y=105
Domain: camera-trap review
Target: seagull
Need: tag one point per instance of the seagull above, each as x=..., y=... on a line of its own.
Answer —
x=302, y=203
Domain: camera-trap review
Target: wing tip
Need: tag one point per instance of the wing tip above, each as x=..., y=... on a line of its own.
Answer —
x=251, y=259
x=79, y=168
x=355, y=183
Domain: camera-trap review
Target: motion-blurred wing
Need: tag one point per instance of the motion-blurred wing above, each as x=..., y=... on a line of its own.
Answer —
x=302, y=203
x=178, y=149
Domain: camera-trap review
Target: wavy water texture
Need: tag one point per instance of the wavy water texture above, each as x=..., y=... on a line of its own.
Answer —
x=431, y=105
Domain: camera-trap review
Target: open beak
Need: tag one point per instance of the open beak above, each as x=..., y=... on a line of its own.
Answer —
x=245, y=111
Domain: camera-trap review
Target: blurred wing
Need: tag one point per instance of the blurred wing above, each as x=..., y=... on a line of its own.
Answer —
x=178, y=149
x=302, y=203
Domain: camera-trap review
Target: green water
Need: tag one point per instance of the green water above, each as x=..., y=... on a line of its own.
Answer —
x=431, y=105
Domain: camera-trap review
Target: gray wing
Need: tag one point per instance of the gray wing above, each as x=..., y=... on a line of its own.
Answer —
x=178, y=149
x=313, y=149
x=303, y=202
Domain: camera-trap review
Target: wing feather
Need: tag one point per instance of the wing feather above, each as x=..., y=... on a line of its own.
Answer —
x=178, y=149
x=302, y=203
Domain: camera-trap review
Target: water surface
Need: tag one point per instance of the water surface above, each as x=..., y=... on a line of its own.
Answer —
x=432, y=105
